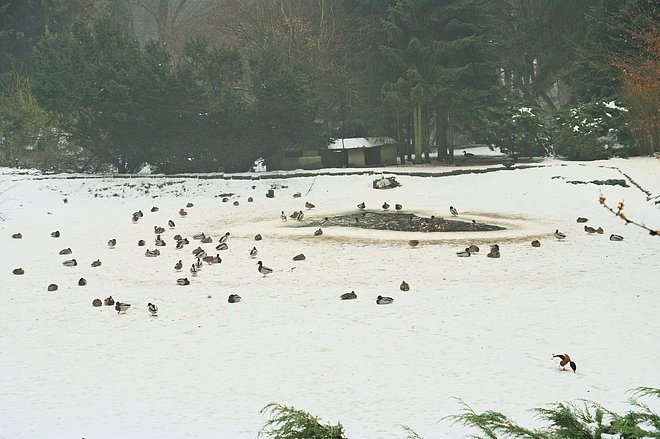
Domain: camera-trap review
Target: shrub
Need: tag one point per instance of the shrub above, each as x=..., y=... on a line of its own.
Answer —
x=579, y=145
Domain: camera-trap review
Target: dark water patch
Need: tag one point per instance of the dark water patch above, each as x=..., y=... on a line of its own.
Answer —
x=402, y=222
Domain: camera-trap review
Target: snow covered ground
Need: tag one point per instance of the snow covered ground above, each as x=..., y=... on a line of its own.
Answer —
x=479, y=329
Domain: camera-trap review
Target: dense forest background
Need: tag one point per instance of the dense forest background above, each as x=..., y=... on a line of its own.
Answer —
x=208, y=85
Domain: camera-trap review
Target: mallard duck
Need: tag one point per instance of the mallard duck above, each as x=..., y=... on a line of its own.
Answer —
x=294, y=215
x=182, y=212
x=66, y=251
x=361, y=206
x=178, y=266
x=250, y=199
x=153, y=309
x=96, y=263
x=152, y=254
x=253, y=252
x=70, y=263
x=473, y=249
x=468, y=155
x=404, y=286
x=318, y=232
x=453, y=211
x=55, y=234
x=464, y=254
x=183, y=281
x=300, y=216
x=299, y=257
x=122, y=307
x=234, y=298
x=17, y=236
x=236, y=203
x=224, y=238
x=565, y=359
x=199, y=236
x=82, y=282
x=97, y=303
x=614, y=237
x=18, y=271
x=283, y=216
x=154, y=209
x=398, y=207
x=385, y=206
x=559, y=235
x=52, y=287
x=138, y=214
x=222, y=246
x=297, y=195
x=112, y=243
x=263, y=269
x=600, y=230
x=380, y=300
x=309, y=205
x=589, y=229
x=413, y=243
x=207, y=240
x=141, y=243
x=258, y=237
x=158, y=230
x=171, y=224
x=348, y=296
x=581, y=219
x=189, y=205
x=109, y=301
x=536, y=243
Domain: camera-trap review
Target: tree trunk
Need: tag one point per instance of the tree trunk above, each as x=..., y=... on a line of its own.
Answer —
x=441, y=135
x=450, y=137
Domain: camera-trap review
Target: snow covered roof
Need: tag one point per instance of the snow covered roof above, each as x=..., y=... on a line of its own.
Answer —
x=360, y=142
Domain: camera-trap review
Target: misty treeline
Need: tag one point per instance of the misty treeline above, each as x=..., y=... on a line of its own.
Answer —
x=209, y=85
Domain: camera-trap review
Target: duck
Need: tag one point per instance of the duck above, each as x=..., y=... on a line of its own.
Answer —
x=258, y=237
x=135, y=219
x=494, y=251
x=96, y=303
x=138, y=214
x=614, y=237
x=404, y=286
x=468, y=154
x=283, y=216
x=222, y=246
x=236, y=203
x=207, y=240
x=559, y=235
x=536, y=243
x=299, y=257
x=182, y=281
x=413, y=243
x=361, y=206
x=309, y=205
x=153, y=309
x=82, y=282
x=398, y=207
x=70, y=263
x=122, y=307
x=294, y=215
x=464, y=254
x=17, y=236
x=199, y=264
x=385, y=206
x=55, y=234
x=600, y=230
x=318, y=232
x=198, y=251
x=217, y=259
x=182, y=212
x=253, y=252
x=109, y=301
x=96, y=263
x=52, y=287
x=208, y=259
x=348, y=296
x=177, y=237
x=224, y=238
x=141, y=243
x=250, y=199
x=18, y=271
x=158, y=230
x=564, y=360
x=66, y=251
x=152, y=254
x=582, y=219
x=199, y=236
x=159, y=241
x=189, y=205
x=112, y=243
x=453, y=211
x=178, y=266
x=171, y=224
x=234, y=298
x=263, y=269
x=300, y=216
x=589, y=229
x=155, y=209
x=380, y=300
x=179, y=244
x=297, y=195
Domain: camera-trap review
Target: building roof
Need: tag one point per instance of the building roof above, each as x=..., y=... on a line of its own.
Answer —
x=360, y=142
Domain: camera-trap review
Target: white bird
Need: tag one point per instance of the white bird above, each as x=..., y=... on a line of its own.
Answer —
x=153, y=309
x=263, y=269
x=253, y=252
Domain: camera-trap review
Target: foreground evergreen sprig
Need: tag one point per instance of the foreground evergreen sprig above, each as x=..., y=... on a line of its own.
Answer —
x=289, y=423
x=576, y=420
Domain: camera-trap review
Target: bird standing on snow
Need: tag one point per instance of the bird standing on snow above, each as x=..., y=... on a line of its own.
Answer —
x=153, y=309
x=318, y=232
x=404, y=286
x=565, y=359
x=283, y=216
x=361, y=206
x=453, y=211
x=559, y=235
x=178, y=266
x=385, y=206
x=224, y=238
x=263, y=269
x=253, y=252
x=122, y=307
x=398, y=207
